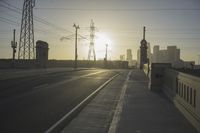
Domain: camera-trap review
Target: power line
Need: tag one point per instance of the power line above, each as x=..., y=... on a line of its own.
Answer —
x=38, y=19
x=2, y=19
x=118, y=9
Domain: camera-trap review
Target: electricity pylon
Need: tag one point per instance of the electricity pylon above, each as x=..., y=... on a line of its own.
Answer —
x=26, y=42
x=91, y=47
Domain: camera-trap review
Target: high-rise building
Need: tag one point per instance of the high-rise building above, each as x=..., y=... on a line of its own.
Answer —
x=138, y=58
x=155, y=53
x=129, y=57
x=149, y=55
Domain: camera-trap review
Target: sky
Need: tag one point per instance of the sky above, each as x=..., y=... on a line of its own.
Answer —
x=118, y=23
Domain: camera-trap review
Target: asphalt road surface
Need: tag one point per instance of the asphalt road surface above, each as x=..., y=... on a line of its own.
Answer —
x=32, y=104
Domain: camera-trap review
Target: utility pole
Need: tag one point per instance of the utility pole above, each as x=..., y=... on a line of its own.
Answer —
x=76, y=55
x=26, y=42
x=105, y=59
x=14, y=46
x=106, y=52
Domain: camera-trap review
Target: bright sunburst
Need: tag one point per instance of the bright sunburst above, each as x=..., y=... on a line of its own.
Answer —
x=100, y=44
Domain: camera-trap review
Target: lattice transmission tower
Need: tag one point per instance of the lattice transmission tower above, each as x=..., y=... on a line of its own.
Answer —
x=26, y=42
x=91, y=47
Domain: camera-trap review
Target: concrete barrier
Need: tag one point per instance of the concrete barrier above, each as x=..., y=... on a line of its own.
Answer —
x=181, y=88
x=7, y=63
x=184, y=90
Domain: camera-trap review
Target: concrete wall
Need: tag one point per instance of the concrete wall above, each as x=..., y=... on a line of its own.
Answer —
x=181, y=88
x=156, y=75
x=7, y=63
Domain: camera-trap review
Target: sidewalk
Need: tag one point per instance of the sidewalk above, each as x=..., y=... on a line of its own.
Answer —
x=149, y=112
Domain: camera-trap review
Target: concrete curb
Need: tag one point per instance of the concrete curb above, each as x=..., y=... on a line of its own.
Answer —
x=118, y=110
x=59, y=125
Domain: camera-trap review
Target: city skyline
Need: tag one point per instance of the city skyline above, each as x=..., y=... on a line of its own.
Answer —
x=167, y=22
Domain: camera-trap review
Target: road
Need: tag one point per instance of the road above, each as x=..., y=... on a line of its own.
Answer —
x=32, y=104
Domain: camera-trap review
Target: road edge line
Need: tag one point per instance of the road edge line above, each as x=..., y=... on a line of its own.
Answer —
x=59, y=125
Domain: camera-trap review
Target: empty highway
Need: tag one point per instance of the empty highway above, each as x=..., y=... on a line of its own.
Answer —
x=33, y=103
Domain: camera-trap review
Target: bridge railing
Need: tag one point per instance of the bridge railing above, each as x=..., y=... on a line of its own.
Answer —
x=181, y=88
x=184, y=90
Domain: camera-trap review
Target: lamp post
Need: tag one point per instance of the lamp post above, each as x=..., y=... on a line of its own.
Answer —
x=76, y=55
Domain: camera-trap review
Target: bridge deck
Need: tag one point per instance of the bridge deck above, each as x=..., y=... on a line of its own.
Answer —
x=140, y=111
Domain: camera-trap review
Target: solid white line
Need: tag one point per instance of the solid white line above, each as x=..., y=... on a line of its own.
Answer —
x=118, y=110
x=138, y=81
x=40, y=86
x=79, y=105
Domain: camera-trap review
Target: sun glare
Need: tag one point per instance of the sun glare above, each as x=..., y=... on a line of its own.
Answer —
x=100, y=44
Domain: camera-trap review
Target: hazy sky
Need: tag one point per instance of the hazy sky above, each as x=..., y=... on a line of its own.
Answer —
x=119, y=23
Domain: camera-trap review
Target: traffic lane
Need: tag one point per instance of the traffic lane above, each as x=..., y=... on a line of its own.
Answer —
x=17, y=86
x=37, y=112
x=6, y=83
x=31, y=72
x=5, y=99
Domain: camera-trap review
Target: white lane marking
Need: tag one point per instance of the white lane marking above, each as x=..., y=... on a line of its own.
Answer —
x=138, y=81
x=80, y=104
x=118, y=110
x=40, y=86
x=76, y=78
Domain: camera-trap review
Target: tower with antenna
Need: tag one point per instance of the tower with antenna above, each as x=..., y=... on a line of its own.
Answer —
x=26, y=41
x=143, y=50
x=91, y=46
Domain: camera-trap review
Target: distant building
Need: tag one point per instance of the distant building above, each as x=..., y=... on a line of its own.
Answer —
x=143, y=51
x=170, y=55
x=149, y=55
x=129, y=57
x=122, y=57
x=42, y=53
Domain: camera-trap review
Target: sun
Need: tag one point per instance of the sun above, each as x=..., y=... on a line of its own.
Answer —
x=100, y=44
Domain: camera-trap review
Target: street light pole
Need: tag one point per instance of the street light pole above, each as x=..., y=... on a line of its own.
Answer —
x=105, y=59
x=106, y=51
x=76, y=55
x=14, y=46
